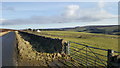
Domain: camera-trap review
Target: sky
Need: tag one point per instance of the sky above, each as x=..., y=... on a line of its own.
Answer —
x=22, y=15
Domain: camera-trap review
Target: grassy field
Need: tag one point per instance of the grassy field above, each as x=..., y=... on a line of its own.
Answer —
x=90, y=39
x=95, y=40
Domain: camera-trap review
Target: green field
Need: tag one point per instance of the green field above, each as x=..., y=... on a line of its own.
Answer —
x=95, y=40
x=90, y=39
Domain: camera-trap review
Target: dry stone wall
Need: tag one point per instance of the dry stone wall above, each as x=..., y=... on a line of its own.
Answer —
x=45, y=44
x=27, y=56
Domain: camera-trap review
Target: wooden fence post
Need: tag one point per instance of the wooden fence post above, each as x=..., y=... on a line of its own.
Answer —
x=109, y=55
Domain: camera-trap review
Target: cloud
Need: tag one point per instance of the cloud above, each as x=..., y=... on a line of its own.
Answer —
x=2, y=20
x=77, y=14
x=73, y=13
x=72, y=10
x=101, y=4
x=32, y=20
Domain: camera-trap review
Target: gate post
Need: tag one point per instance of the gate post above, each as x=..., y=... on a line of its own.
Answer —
x=67, y=46
x=109, y=55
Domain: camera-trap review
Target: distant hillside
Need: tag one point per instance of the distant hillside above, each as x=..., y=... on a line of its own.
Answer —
x=110, y=29
x=4, y=30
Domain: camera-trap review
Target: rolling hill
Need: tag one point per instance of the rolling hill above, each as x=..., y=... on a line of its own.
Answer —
x=109, y=29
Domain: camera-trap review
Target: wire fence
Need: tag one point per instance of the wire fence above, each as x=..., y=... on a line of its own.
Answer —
x=90, y=56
